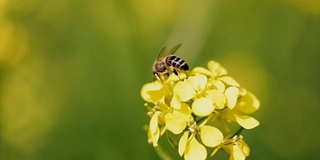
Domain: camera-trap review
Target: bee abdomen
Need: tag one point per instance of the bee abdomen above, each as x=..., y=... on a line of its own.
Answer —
x=184, y=66
x=177, y=62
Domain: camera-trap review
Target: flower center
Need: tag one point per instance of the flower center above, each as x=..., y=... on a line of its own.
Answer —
x=201, y=93
x=193, y=127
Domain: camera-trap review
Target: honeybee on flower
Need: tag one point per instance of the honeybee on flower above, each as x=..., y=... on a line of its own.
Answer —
x=163, y=65
x=187, y=103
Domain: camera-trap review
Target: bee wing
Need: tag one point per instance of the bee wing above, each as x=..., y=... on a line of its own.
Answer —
x=163, y=50
x=174, y=49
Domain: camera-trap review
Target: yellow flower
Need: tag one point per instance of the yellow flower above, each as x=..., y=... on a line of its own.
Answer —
x=157, y=122
x=195, y=151
x=191, y=148
x=195, y=88
x=186, y=105
x=248, y=103
x=219, y=80
x=237, y=148
x=177, y=120
x=238, y=151
x=215, y=70
x=245, y=104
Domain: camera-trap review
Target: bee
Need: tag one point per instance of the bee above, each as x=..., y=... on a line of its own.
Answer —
x=163, y=65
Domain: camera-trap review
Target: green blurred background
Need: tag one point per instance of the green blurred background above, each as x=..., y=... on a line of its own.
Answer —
x=71, y=72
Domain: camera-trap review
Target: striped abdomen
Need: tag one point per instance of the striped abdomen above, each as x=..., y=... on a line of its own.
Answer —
x=176, y=62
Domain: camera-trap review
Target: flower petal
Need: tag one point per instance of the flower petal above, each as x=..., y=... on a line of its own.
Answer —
x=229, y=80
x=210, y=136
x=198, y=82
x=245, y=148
x=183, y=143
x=218, y=97
x=154, y=131
x=195, y=151
x=242, y=91
x=155, y=137
x=175, y=102
x=152, y=92
x=185, y=109
x=232, y=96
x=213, y=65
x=153, y=124
x=201, y=70
x=236, y=153
x=216, y=69
x=184, y=91
x=174, y=77
x=175, y=123
x=218, y=85
x=202, y=107
x=246, y=122
x=248, y=103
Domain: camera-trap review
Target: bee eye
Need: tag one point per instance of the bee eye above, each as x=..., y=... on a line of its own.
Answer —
x=160, y=65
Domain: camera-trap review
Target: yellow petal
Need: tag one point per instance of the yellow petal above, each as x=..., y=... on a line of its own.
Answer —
x=218, y=85
x=153, y=124
x=175, y=102
x=236, y=153
x=246, y=122
x=213, y=65
x=242, y=91
x=183, y=143
x=232, y=96
x=154, y=131
x=229, y=80
x=218, y=98
x=195, y=151
x=184, y=91
x=248, y=103
x=216, y=69
x=245, y=148
x=198, y=82
x=175, y=123
x=185, y=109
x=155, y=137
x=202, y=107
x=201, y=70
x=149, y=136
x=210, y=136
x=152, y=92
x=174, y=77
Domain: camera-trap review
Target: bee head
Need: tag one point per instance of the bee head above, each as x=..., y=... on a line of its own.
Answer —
x=159, y=67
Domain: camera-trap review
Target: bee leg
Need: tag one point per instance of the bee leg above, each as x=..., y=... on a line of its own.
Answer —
x=176, y=73
x=159, y=77
x=156, y=76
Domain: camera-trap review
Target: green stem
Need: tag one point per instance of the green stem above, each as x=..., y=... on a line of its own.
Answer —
x=238, y=131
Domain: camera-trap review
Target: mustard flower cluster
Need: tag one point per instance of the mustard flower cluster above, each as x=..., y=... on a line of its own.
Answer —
x=191, y=104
